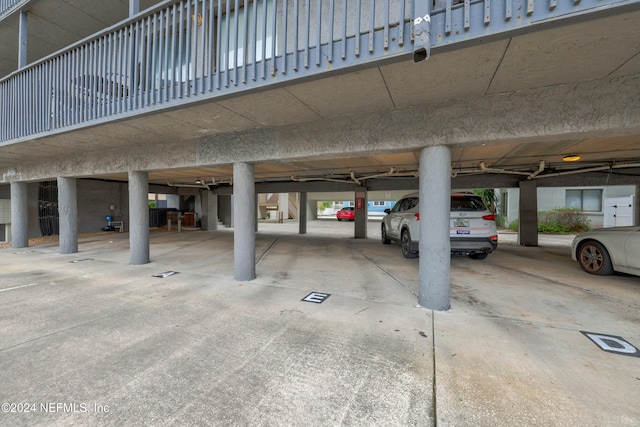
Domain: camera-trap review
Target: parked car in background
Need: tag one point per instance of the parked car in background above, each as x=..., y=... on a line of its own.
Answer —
x=346, y=213
x=605, y=250
x=472, y=227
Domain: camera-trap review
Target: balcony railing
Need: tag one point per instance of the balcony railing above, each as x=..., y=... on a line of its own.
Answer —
x=8, y=6
x=195, y=49
x=192, y=50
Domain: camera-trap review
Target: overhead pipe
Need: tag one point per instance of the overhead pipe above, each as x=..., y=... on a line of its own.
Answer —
x=593, y=169
x=484, y=168
x=540, y=170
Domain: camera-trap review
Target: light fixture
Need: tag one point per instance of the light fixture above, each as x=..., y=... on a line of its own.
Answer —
x=571, y=158
x=199, y=181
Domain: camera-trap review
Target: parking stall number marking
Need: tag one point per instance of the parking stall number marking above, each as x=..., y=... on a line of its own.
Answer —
x=165, y=274
x=613, y=344
x=316, y=297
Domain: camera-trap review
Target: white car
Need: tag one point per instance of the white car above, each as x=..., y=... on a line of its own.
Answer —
x=472, y=227
x=605, y=250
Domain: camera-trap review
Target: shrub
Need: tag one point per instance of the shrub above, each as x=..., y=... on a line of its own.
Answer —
x=563, y=220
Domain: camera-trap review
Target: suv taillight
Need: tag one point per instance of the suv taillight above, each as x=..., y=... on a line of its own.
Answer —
x=494, y=239
x=417, y=215
x=491, y=217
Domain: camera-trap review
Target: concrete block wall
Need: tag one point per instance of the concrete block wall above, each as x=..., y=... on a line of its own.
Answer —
x=94, y=199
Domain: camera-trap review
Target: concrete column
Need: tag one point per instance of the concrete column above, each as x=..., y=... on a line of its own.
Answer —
x=312, y=209
x=68, y=209
x=22, y=40
x=138, y=217
x=528, y=214
x=244, y=217
x=19, y=215
x=361, y=213
x=435, y=246
x=302, y=214
x=209, y=220
x=283, y=206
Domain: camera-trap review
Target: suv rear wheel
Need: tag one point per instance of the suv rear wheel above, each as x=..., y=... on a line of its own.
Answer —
x=405, y=242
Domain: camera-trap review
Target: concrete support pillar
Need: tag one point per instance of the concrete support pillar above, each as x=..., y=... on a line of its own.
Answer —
x=22, y=40
x=244, y=217
x=138, y=217
x=68, y=209
x=435, y=246
x=361, y=213
x=312, y=209
x=302, y=214
x=283, y=206
x=209, y=219
x=19, y=215
x=528, y=214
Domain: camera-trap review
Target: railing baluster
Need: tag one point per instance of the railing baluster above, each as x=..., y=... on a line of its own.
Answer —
x=274, y=32
x=319, y=35
x=285, y=33
x=226, y=43
x=236, y=62
x=296, y=6
x=254, y=39
x=331, y=24
x=372, y=25
x=219, y=45
x=401, y=24
x=203, y=47
x=126, y=67
x=181, y=52
x=358, y=23
x=245, y=44
x=386, y=25
x=265, y=11
x=307, y=34
x=197, y=23
x=155, y=57
x=447, y=17
x=467, y=11
x=343, y=52
x=210, y=47
x=487, y=11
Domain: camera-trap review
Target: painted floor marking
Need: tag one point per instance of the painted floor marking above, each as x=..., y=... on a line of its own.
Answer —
x=612, y=344
x=316, y=297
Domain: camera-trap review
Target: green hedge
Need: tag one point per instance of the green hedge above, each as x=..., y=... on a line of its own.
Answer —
x=561, y=220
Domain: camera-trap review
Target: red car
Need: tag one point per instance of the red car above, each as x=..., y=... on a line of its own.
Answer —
x=346, y=213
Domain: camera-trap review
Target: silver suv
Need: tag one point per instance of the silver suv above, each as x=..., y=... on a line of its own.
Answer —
x=472, y=227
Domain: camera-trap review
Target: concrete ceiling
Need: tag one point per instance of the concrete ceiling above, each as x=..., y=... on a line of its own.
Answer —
x=593, y=49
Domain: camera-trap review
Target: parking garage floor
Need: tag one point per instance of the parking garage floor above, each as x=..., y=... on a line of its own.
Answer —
x=86, y=339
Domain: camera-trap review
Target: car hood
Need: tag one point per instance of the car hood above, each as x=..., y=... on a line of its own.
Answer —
x=628, y=229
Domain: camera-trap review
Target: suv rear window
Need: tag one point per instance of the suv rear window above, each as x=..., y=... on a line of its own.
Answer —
x=467, y=203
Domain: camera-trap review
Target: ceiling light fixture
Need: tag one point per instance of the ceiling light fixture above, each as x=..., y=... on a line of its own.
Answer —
x=198, y=181
x=571, y=158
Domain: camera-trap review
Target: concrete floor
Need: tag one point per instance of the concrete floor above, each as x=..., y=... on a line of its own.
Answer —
x=100, y=342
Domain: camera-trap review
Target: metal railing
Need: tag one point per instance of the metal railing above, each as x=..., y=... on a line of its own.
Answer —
x=194, y=49
x=7, y=6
